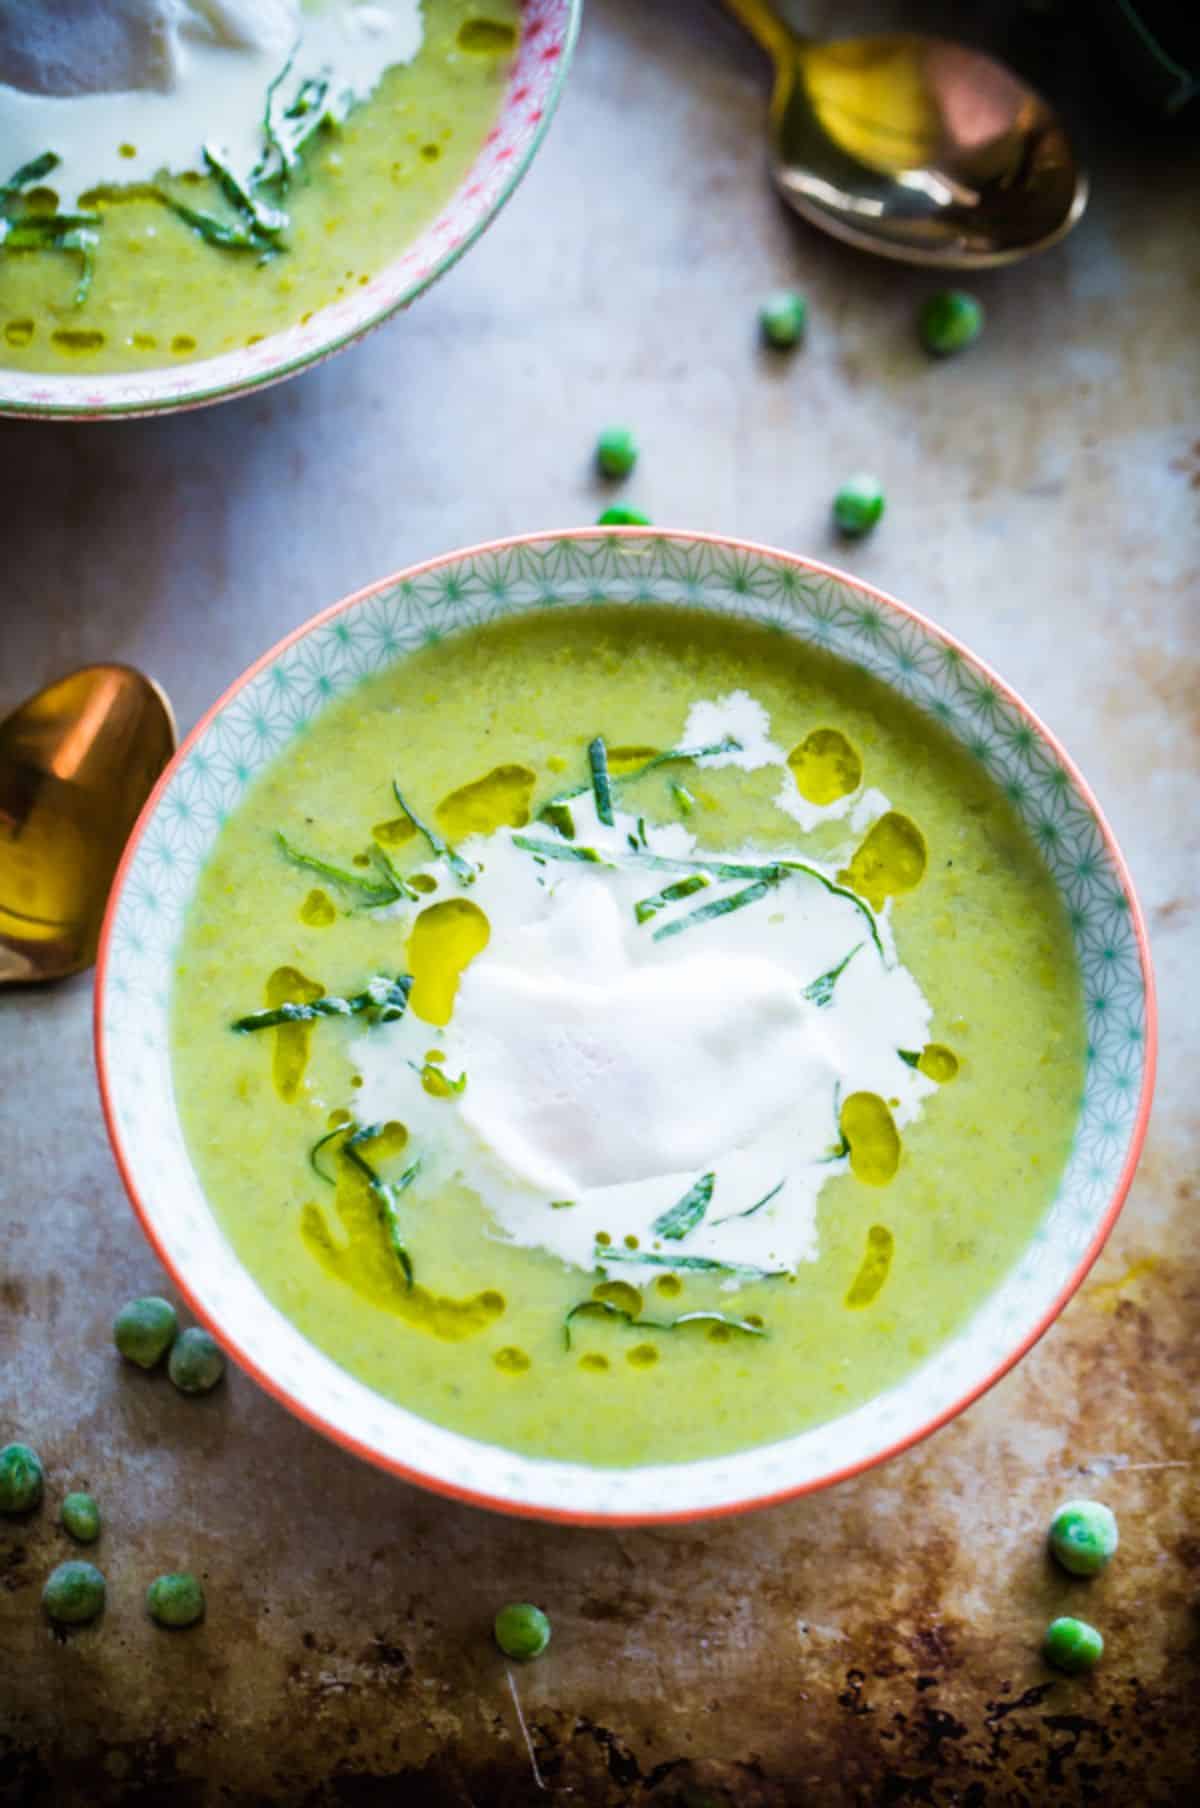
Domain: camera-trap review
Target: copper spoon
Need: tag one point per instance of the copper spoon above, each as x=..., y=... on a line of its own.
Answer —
x=77, y=762
x=915, y=148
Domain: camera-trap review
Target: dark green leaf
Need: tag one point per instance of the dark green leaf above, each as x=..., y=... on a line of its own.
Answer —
x=910, y=1056
x=595, y=1308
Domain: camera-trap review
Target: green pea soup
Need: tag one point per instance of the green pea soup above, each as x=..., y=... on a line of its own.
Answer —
x=472, y=1331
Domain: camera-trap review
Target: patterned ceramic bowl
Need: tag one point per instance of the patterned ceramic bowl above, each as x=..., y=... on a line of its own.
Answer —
x=548, y=32
x=267, y=708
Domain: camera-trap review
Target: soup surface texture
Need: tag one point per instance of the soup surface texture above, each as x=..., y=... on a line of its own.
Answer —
x=498, y=1116
x=158, y=290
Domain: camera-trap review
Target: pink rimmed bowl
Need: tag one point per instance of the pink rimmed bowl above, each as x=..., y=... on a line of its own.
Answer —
x=548, y=32
x=274, y=702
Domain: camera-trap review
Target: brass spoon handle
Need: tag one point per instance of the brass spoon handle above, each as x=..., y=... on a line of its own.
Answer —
x=765, y=27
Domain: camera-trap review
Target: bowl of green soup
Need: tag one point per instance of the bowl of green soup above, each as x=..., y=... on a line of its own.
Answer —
x=200, y=197
x=620, y=1026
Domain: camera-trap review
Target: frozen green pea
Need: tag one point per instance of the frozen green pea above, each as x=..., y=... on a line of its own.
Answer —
x=81, y=1518
x=21, y=1478
x=783, y=317
x=74, y=1593
x=858, y=506
x=949, y=322
x=1083, y=1536
x=195, y=1364
x=616, y=452
x=175, y=1599
x=144, y=1329
x=1072, y=1645
x=622, y=517
x=522, y=1630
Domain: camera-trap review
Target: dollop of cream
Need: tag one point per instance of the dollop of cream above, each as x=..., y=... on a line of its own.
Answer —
x=610, y=1068
x=122, y=90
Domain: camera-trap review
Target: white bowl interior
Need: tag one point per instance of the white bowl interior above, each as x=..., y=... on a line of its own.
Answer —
x=276, y=702
x=548, y=29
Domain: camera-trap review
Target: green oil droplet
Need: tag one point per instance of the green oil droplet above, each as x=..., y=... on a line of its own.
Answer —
x=642, y=1356
x=866, y=1124
x=445, y=939
x=938, y=1063
x=512, y=1361
x=318, y=910
x=874, y=1270
x=499, y=800
x=825, y=767
x=891, y=860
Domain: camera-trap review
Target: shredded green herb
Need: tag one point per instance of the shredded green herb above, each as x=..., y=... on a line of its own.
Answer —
x=645, y=908
x=606, y=1309
x=29, y=173
x=462, y=869
x=839, y=891
x=687, y=1212
x=267, y=220
x=559, y=850
x=229, y=235
x=385, y=1000
x=750, y=1210
x=684, y=800
x=370, y=893
x=601, y=782
x=431, y=1070
x=910, y=1056
x=386, y=1193
x=346, y=1129
x=674, y=755
x=557, y=815
x=58, y=231
x=720, y=907
x=561, y=1205
x=604, y=1254
x=820, y=992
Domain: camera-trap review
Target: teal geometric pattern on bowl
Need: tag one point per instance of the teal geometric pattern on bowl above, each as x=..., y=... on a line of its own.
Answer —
x=548, y=32
x=792, y=597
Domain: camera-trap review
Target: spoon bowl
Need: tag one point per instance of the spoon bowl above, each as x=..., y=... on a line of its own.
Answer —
x=77, y=762
x=915, y=148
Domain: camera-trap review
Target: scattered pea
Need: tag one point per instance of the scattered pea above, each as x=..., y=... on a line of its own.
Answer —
x=783, y=317
x=622, y=517
x=1072, y=1645
x=949, y=322
x=858, y=506
x=145, y=1329
x=81, y=1518
x=176, y=1599
x=195, y=1364
x=1083, y=1536
x=21, y=1478
x=616, y=452
x=522, y=1630
x=74, y=1593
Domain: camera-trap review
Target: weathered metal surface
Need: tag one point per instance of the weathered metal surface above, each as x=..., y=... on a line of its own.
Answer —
x=876, y=1644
